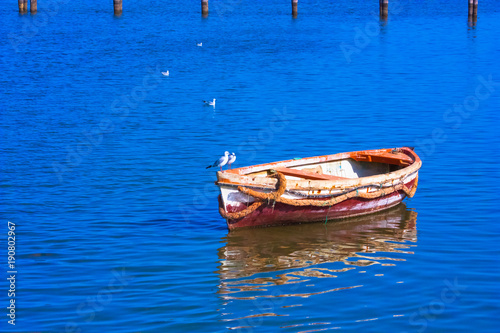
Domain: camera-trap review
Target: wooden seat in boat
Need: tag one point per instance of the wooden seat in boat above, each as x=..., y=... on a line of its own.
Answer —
x=306, y=174
x=387, y=157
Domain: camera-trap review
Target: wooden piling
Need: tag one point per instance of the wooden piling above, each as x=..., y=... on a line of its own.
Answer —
x=204, y=8
x=472, y=11
x=384, y=9
x=118, y=7
x=294, y=7
x=33, y=7
x=23, y=6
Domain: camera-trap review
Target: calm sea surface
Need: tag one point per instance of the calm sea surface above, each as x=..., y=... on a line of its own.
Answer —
x=117, y=225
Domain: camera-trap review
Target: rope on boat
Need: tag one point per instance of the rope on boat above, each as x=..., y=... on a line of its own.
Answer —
x=276, y=196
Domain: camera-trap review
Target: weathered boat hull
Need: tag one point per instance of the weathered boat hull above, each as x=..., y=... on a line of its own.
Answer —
x=282, y=214
x=358, y=201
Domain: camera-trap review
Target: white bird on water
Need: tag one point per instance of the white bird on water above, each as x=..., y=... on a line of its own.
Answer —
x=167, y=73
x=212, y=103
x=220, y=162
x=231, y=160
x=199, y=44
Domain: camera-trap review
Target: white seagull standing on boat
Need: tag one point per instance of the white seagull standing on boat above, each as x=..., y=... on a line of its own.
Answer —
x=212, y=103
x=167, y=73
x=221, y=161
x=231, y=160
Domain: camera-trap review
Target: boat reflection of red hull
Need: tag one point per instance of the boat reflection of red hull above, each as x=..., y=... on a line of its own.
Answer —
x=318, y=188
x=294, y=250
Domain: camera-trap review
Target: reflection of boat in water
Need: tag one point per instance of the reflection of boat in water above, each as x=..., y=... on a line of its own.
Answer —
x=298, y=250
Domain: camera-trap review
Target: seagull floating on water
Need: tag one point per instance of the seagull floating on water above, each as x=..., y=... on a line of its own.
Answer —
x=231, y=160
x=220, y=162
x=199, y=44
x=167, y=73
x=212, y=103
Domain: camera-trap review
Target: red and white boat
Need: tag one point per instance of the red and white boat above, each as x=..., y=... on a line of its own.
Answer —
x=320, y=188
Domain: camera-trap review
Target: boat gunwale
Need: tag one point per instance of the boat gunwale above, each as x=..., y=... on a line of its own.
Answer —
x=235, y=177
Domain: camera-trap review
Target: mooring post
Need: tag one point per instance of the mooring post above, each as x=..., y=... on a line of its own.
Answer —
x=33, y=7
x=118, y=7
x=23, y=6
x=472, y=11
x=294, y=7
x=384, y=8
x=204, y=8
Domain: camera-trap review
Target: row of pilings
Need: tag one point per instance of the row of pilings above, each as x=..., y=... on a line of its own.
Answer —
x=23, y=6
x=383, y=9
x=118, y=8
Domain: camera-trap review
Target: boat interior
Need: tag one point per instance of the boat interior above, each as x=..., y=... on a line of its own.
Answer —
x=357, y=165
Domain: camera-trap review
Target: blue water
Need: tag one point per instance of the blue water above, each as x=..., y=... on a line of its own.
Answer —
x=117, y=226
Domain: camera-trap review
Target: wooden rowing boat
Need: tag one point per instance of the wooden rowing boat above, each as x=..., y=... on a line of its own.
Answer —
x=320, y=188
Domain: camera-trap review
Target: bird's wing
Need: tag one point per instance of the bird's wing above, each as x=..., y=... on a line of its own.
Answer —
x=223, y=160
